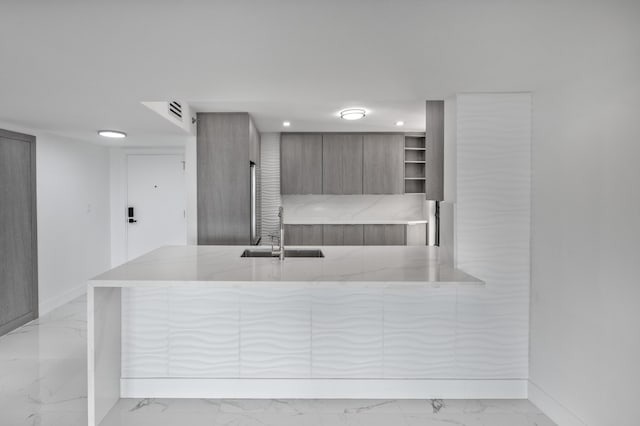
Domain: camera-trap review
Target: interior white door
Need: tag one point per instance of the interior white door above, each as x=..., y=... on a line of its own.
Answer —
x=157, y=193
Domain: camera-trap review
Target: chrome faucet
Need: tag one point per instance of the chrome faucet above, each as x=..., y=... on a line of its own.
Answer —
x=280, y=251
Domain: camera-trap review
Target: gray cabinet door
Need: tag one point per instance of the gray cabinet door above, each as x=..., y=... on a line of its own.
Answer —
x=254, y=143
x=224, y=210
x=342, y=235
x=18, y=241
x=301, y=163
x=303, y=235
x=383, y=167
x=342, y=164
x=384, y=235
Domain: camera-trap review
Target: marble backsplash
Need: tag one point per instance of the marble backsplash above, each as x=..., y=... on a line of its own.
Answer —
x=354, y=209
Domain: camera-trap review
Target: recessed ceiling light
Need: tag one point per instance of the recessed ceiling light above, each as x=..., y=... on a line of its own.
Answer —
x=286, y=123
x=399, y=123
x=352, y=114
x=112, y=134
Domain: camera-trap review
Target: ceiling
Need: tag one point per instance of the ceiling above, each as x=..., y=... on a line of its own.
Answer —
x=71, y=67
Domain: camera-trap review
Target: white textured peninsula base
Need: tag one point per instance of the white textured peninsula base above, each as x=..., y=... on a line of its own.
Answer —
x=363, y=322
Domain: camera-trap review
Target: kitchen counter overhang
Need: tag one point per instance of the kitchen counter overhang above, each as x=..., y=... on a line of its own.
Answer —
x=368, y=266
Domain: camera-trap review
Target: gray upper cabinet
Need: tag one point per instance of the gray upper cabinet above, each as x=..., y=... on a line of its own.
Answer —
x=301, y=163
x=383, y=165
x=342, y=163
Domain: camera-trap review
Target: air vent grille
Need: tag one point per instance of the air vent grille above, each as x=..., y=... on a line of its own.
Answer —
x=175, y=109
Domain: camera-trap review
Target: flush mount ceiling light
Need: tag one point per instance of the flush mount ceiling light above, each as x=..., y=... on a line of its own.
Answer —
x=399, y=123
x=286, y=123
x=352, y=114
x=114, y=134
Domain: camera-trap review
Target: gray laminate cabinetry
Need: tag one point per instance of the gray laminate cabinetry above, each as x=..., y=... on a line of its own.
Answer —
x=342, y=163
x=301, y=163
x=383, y=165
x=226, y=142
x=303, y=235
x=384, y=235
x=434, y=187
x=342, y=235
x=18, y=233
x=254, y=143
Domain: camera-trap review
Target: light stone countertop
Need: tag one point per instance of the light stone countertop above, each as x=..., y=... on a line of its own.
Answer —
x=342, y=266
x=340, y=221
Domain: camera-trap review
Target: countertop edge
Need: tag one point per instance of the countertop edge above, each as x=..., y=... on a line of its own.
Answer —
x=355, y=222
x=284, y=284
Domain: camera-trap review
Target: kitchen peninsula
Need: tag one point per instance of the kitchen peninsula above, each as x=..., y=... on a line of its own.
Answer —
x=204, y=322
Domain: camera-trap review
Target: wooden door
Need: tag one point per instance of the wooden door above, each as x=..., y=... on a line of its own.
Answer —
x=342, y=164
x=383, y=168
x=18, y=239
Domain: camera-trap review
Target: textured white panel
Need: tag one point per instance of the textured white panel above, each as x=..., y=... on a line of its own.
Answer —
x=419, y=333
x=493, y=217
x=145, y=332
x=269, y=184
x=347, y=333
x=275, y=330
x=204, y=333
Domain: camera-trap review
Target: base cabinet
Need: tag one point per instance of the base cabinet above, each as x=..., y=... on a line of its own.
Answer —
x=303, y=235
x=319, y=333
x=351, y=235
x=342, y=235
x=384, y=235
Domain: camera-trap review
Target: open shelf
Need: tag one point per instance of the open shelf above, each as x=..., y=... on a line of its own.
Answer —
x=414, y=164
x=414, y=186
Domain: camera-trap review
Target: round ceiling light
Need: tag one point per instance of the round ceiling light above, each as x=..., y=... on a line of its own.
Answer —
x=353, y=114
x=114, y=134
x=286, y=123
x=399, y=123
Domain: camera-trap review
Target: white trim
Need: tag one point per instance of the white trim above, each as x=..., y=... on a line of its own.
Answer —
x=552, y=408
x=322, y=388
x=46, y=306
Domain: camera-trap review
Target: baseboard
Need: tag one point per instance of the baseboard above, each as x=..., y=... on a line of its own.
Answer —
x=322, y=388
x=553, y=409
x=46, y=306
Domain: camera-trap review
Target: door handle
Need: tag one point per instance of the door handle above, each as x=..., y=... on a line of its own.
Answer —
x=131, y=215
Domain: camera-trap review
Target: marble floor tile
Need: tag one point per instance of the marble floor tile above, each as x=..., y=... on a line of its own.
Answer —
x=43, y=382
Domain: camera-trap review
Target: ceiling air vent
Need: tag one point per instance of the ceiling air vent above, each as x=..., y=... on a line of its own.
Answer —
x=175, y=109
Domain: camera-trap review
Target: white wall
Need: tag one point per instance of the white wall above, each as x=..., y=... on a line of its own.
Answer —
x=73, y=215
x=585, y=338
x=492, y=185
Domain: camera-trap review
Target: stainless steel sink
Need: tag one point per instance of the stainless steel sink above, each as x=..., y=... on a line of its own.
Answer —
x=287, y=253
